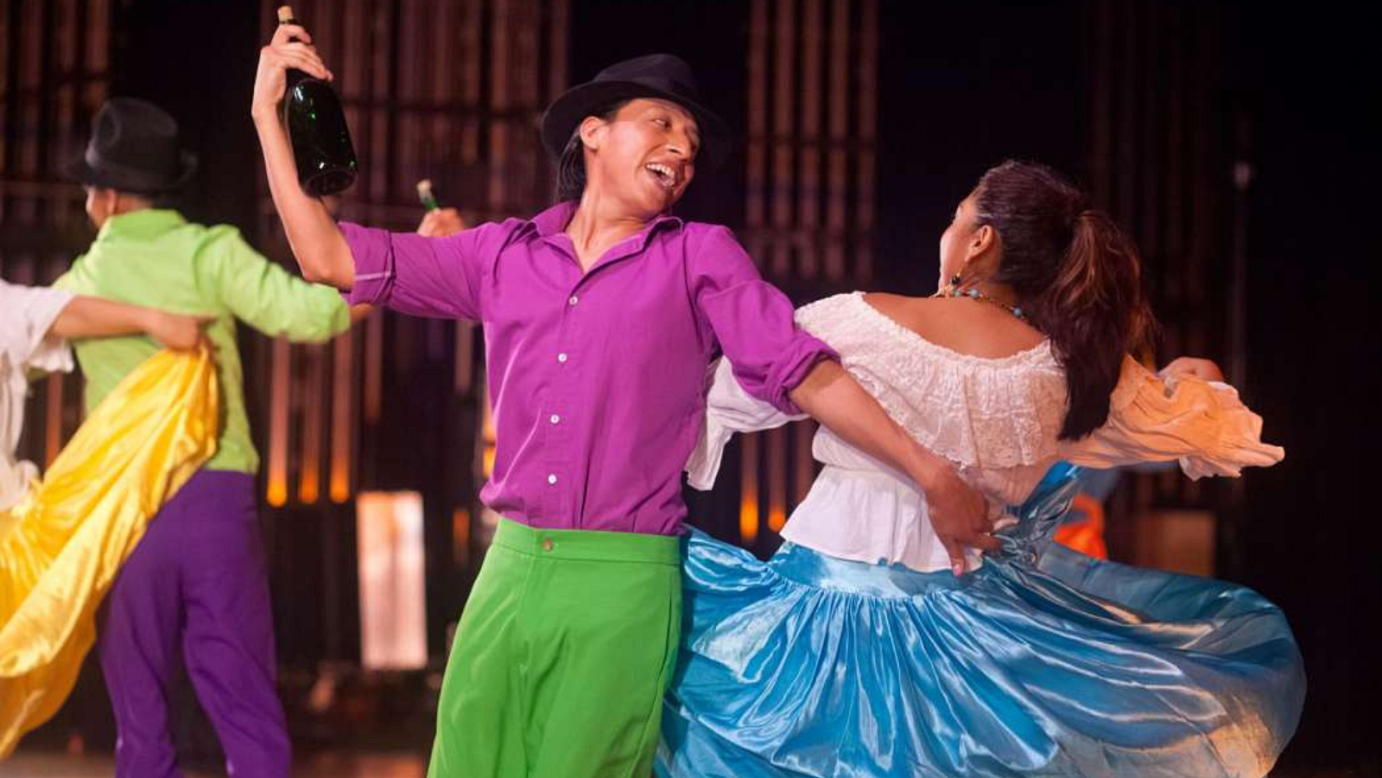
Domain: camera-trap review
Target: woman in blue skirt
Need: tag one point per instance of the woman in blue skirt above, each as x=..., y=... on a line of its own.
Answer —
x=871, y=644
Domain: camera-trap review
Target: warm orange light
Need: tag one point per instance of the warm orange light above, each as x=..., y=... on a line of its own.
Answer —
x=460, y=535
x=1087, y=536
x=748, y=501
x=307, y=489
x=309, y=477
x=277, y=495
x=777, y=479
x=777, y=518
x=488, y=437
x=342, y=413
x=748, y=519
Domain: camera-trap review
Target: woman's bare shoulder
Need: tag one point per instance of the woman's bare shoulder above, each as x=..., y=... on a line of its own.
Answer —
x=962, y=325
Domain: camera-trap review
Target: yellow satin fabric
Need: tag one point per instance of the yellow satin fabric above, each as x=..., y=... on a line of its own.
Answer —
x=62, y=545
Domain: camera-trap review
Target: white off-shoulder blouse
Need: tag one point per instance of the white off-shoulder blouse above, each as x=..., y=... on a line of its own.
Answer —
x=998, y=420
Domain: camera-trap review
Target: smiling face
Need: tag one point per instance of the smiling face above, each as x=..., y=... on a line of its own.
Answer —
x=644, y=156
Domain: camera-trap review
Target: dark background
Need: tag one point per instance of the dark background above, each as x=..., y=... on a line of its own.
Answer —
x=964, y=86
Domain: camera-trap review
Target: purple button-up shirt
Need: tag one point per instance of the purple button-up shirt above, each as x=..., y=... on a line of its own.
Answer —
x=598, y=378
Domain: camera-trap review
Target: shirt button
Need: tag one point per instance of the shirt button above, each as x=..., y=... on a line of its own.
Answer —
x=547, y=544
x=561, y=358
x=552, y=479
x=556, y=419
x=574, y=299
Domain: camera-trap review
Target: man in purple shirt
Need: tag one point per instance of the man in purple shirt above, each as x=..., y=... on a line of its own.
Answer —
x=600, y=317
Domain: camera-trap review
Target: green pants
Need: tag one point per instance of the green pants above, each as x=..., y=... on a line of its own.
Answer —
x=566, y=645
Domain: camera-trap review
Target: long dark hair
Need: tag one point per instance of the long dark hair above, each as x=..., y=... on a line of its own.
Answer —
x=1075, y=273
x=571, y=163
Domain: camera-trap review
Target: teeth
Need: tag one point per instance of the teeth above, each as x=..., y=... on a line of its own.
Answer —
x=669, y=176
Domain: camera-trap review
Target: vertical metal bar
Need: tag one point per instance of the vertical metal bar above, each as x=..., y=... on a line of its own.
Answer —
x=280, y=380
x=784, y=79
x=748, y=492
x=867, y=80
x=757, y=153
x=777, y=478
x=311, y=412
x=837, y=162
x=342, y=417
x=809, y=153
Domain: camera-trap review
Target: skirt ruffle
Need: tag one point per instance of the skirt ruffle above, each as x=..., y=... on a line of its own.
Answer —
x=808, y=665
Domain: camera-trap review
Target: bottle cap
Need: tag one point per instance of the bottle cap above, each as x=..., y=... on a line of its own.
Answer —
x=424, y=194
x=285, y=14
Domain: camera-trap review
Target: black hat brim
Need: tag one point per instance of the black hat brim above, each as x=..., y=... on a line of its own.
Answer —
x=568, y=111
x=80, y=171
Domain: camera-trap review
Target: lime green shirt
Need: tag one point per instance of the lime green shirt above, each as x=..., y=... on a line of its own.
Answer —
x=156, y=258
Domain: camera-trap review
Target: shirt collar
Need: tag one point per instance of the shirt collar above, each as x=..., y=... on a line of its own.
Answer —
x=146, y=221
x=553, y=221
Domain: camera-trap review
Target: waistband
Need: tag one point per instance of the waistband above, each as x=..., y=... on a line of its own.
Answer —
x=822, y=571
x=588, y=545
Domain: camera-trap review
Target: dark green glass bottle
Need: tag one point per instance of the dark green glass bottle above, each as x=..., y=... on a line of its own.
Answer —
x=317, y=127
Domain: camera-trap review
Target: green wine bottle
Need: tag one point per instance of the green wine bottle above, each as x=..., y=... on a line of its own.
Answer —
x=317, y=127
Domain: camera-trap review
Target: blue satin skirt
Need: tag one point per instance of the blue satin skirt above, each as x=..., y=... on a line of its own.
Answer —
x=1043, y=662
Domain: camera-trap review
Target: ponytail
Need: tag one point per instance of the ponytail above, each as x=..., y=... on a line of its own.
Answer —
x=1094, y=312
x=1077, y=274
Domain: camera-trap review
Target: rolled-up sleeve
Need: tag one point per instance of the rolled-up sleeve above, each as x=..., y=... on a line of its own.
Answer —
x=729, y=409
x=753, y=322
x=420, y=276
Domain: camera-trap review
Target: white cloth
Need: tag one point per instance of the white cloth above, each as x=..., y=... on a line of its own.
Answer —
x=26, y=314
x=998, y=420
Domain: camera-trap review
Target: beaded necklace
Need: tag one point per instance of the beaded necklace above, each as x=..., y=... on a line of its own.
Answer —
x=974, y=294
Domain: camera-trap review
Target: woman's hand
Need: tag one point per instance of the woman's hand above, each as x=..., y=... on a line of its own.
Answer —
x=1203, y=369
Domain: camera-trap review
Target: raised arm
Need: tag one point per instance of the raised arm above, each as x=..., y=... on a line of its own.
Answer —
x=407, y=272
x=320, y=248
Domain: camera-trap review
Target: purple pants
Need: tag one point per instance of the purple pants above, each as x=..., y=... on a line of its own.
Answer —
x=196, y=584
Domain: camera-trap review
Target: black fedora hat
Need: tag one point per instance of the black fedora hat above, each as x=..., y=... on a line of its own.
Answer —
x=662, y=76
x=133, y=148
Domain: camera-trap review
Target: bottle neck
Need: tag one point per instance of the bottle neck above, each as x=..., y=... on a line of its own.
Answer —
x=295, y=77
